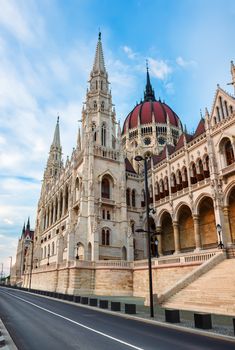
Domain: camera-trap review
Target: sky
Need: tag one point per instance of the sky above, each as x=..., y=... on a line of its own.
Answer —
x=47, y=50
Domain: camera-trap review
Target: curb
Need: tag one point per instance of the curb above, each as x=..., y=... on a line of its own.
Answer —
x=6, y=342
x=141, y=319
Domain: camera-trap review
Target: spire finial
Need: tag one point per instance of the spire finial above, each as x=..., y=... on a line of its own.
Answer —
x=147, y=65
x=149, y=92
x=58, y=118
x=98, y=65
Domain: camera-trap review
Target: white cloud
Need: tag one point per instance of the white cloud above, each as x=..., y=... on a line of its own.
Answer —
x=19, y=18
x=159, y=68
x=183, y=63
x=130, y=53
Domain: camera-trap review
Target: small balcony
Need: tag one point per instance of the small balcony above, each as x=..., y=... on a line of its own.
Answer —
x=228, y=170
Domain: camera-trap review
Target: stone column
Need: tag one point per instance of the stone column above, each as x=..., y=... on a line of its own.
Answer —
x=176, y=236
x=63, y=206
x=197, y=235
x=159, y=237
x=58, y=209
x=226, y=227
x=54, y=211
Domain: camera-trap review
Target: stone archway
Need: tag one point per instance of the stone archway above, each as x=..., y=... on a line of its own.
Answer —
x=231, y=207
x=167, y=234
x=207, y=225
x=186, y=229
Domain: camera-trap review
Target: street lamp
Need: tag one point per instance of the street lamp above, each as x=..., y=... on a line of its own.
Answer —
x=10, y=257
x=48, y=257
x=77, y=256
x=139, y=159
x=27, y=243
x=219, y=230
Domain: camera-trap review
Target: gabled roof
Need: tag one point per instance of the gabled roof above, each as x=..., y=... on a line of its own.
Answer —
x=180, y=142
x=129, y=166
x=200, y=128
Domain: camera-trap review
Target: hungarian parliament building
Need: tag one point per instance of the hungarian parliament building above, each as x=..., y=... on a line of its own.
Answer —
x=91, y=206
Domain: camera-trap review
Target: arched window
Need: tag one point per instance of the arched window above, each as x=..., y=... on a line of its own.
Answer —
x=143, y=198
x=103, y=135
x=101, y=85
x=185, y=177
x=218, y=114
x=102, y=106
x=206, y=166
x=128, y=201
x=105, y=188
x=53, y=248
x=105, y=237
x=161, y=188
x=96, y=84
x=108, y=215
x=179, y=180
x=166, y=186
x=226, y=107
x=193, y=176
x=48, y=250
x=76, y=189
x=133, y=198
x=229, y=152
x=94, y=132
x=95, y=105
x=173, y=183
x=66, y=198
x=45, y=252
x=61, y=205
x=157, y=192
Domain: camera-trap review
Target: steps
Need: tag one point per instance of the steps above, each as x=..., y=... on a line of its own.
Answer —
x=213, y=292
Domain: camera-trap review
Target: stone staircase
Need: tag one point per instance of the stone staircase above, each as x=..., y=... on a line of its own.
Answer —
x=213, y=292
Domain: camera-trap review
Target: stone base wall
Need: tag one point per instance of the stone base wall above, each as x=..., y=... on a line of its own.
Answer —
x=114, y=282
x=163, y=278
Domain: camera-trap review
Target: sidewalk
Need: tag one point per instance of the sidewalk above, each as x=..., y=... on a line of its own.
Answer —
x=220, y=324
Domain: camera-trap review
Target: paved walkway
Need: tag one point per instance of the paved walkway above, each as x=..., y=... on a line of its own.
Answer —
x=220, y=324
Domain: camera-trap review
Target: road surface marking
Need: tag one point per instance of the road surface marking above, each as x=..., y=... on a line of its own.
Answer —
x=77, y=323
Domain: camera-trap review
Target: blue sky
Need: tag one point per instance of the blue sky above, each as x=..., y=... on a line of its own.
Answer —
x=46, y=53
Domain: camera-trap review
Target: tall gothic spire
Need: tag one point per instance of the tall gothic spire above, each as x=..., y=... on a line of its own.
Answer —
x=28, y=225
x=54, y=162
x=56, y=138
x=99, y=65
x=149, y=92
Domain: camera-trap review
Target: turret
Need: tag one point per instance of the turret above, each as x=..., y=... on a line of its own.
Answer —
x=54, y=162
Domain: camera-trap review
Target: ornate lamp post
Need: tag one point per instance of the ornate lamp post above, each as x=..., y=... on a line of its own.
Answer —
x=139, y=159
x=219, y=230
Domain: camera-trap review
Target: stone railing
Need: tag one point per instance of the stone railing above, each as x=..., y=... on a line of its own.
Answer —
x=101, y=264
x=113, y=263
x=228, y=169
x=106, y=152
x=186, y=258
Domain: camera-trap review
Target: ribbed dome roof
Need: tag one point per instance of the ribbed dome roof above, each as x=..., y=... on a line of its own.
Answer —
x=151, y=110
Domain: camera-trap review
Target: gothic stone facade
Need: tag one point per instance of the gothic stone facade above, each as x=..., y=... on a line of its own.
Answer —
x=90, y=207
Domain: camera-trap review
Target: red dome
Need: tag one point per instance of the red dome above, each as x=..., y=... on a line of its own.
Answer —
x=147, y=110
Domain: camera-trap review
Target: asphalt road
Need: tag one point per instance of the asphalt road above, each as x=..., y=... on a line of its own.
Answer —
x=38, y=323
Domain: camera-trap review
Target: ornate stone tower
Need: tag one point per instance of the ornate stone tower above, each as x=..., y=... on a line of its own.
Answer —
x=101, y=224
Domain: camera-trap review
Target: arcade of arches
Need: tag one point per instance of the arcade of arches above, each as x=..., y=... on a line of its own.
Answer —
x=189, y=232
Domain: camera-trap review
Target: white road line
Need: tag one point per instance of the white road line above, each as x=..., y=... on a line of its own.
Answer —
x=77, y=323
